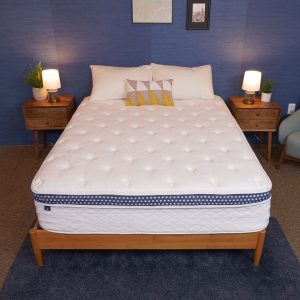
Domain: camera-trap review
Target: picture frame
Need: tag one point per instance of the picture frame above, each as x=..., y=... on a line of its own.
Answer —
x=152, y=11
x=198, y=14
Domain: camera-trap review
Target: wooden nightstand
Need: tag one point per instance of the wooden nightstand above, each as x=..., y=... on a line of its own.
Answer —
x=259, y=117
x=44, y=115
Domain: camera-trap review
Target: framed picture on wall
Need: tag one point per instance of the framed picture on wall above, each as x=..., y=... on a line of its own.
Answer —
x=152, y=11
x=198, y=14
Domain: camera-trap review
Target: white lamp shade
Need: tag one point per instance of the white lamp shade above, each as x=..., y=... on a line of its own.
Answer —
x=252, y=80
x=51, y=80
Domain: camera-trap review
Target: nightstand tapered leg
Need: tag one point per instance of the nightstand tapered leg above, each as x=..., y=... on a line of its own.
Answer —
x=262, y=138
x=36, y=144
x=269, y=144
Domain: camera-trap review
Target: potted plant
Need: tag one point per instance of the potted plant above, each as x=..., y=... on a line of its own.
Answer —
x=35, y=80
x=266, y=90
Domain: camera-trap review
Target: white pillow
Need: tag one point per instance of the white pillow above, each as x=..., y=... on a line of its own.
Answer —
x=188, y=83
x=109, y=83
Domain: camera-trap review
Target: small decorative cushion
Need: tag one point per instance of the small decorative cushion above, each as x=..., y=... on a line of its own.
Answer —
x=149, y=92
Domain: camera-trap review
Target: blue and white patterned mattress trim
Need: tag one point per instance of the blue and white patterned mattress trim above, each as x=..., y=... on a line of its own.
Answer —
x=153, y=200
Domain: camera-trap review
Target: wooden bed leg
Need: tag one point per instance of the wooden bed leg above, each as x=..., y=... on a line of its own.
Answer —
x=259, y=247
x=35, y=245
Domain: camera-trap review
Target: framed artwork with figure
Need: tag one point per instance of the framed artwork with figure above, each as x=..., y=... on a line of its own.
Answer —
x=198, y=14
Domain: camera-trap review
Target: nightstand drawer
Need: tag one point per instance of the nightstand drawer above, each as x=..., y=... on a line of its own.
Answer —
x=44, y=118
x=257, y=125
x=257, y=114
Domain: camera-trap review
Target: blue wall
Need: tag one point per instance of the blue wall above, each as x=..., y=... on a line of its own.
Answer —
x=72, y=34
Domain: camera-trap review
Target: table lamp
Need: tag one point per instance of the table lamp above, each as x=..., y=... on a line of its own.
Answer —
x=251, y=84
x=51, y=82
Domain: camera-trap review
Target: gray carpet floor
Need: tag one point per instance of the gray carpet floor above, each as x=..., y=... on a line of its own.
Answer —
x=158, y=275
x=18, y=166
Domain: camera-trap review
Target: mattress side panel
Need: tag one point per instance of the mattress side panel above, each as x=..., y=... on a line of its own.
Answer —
x=97, y=220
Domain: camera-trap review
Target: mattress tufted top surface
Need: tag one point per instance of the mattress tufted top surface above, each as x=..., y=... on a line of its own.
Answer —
x=195, y=147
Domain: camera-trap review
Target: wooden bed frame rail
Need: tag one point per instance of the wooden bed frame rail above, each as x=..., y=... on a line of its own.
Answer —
x=42, y=239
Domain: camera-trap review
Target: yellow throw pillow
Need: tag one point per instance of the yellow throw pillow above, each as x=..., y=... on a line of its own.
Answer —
x=149, y=92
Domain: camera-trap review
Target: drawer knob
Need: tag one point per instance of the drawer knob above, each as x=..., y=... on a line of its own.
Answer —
x=257, y=114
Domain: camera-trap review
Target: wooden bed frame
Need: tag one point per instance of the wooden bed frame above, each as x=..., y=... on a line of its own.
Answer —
x=42, y=239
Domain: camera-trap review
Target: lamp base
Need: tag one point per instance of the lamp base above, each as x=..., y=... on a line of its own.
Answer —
x=52, y=97
x=249, y=98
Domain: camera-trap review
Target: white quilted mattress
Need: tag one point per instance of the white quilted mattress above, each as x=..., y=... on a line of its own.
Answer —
x=110, y=150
